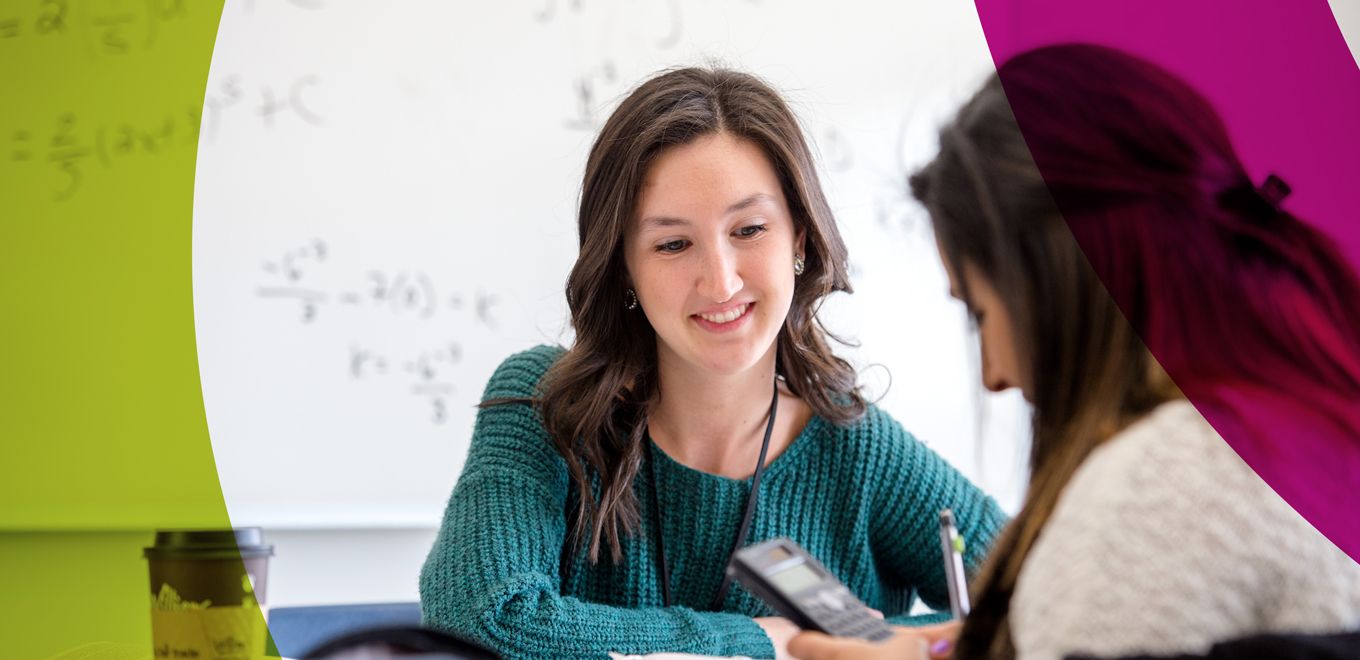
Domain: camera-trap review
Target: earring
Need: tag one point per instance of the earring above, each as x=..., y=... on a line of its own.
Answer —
x=630, y=299
x=798, y=264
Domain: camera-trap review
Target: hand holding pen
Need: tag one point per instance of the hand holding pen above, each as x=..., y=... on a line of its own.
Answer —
x=951, y=543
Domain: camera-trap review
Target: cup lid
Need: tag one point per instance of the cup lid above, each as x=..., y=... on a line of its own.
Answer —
x=242, y=542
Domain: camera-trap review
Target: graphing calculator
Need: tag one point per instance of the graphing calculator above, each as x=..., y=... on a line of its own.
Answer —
x=801, y=589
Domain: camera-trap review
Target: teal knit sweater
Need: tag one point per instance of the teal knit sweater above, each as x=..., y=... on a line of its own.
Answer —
x=864, y=499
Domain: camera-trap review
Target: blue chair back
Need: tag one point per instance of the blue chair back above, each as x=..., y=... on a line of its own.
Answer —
x=298, y=630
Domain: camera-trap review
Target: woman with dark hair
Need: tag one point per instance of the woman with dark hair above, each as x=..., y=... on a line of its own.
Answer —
x=1092, y=214
x=700, y=409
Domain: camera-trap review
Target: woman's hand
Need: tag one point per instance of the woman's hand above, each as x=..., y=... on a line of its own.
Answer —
x=780, y=631
x=940, y=637
x=906, y=644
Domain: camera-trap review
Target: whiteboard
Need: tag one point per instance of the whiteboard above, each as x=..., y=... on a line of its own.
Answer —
x=385, y=209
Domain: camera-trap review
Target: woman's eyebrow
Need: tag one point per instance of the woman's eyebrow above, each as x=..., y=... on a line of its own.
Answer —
x=662, y=221
x=752, y=200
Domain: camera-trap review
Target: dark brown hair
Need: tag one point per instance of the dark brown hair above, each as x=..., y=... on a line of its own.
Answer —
x=1119, y=225
x=595, y=398
x=1089, y=373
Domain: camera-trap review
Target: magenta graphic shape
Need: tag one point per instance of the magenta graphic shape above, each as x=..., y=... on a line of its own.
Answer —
x=1271, y=362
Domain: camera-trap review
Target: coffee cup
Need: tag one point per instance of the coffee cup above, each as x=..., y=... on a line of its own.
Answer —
x=208, y=593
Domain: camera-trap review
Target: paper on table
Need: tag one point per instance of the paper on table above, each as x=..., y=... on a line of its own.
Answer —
x=672, y=656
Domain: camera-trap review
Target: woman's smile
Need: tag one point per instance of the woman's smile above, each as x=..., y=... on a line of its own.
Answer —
x=726, y=320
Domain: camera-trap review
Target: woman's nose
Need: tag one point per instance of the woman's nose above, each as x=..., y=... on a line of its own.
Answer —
x=994, y=378
x=719, y=280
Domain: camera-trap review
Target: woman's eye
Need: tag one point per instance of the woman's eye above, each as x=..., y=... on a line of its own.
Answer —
x=671, y=246
x=750, y=231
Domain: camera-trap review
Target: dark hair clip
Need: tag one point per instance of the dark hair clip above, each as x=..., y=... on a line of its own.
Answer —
x=1274, y=190
x=1257, y=202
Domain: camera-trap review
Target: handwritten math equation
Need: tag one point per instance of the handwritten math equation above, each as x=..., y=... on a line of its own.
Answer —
x=71, y=146
x=408, y=292
x=424, y=373
x=594, y=84
x=107, y=27
x=266, y=103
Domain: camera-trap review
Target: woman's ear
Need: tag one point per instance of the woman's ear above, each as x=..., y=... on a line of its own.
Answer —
x=800, y=243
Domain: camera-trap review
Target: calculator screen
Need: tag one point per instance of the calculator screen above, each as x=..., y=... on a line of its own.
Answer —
x=795, y=578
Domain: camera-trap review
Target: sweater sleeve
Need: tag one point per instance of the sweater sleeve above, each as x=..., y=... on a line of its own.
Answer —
x=915, y=485
x=493, y=575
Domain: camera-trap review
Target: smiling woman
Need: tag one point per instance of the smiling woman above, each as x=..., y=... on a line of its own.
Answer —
x=700, y=409
x=714, y=277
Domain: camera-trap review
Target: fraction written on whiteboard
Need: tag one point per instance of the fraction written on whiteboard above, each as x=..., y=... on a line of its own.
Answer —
x=427, y=372
x=67, y=143
x=404, y=292
x=296, y=276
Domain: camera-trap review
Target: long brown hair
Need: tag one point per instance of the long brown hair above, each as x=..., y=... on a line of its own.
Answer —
x=1118, y=226
x=594, y=399
x=1090, y=374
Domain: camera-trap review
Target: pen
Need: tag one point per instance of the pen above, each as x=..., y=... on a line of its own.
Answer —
x=952, y=545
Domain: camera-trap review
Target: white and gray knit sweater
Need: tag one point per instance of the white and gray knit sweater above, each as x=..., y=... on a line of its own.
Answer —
x=1165, y=541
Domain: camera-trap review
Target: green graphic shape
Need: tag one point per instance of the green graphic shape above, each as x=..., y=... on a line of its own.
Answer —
x=102, y=416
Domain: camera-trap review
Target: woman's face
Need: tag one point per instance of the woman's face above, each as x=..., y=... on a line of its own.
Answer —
x=710, y=254
x=1000, y=359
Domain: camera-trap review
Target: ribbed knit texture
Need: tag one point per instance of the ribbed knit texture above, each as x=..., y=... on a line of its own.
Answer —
x=1165, y=541
x=864, y=499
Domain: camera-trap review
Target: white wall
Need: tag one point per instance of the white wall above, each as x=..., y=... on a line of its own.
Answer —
x=316, y=567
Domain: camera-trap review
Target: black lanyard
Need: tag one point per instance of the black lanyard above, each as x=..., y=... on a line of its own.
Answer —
x=751, y=500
